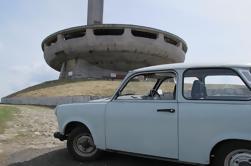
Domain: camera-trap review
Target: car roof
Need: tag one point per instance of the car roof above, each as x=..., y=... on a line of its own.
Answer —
x=191, y=65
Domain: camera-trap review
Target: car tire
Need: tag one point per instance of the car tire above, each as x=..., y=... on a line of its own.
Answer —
x=81, y=146
x=234, y=154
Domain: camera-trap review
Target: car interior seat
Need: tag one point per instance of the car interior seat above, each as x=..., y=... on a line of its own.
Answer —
x=198, y=90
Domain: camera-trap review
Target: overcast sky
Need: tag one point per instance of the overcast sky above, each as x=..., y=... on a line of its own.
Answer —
x=215, y=31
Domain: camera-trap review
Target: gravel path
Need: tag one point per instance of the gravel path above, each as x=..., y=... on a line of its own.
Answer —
x=28, y=141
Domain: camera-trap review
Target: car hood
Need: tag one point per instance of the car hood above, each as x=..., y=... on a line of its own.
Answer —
x=97, y=104
x=104, y=100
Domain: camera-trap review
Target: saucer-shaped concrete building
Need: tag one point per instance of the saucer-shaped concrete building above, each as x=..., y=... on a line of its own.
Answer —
x=109, y=50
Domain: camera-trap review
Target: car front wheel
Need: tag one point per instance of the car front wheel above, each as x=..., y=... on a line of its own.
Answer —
x=81, y=146
x=237, y=154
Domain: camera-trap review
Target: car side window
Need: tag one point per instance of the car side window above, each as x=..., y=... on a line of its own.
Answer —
x=150, y=86
x=214, y=84
x=167, y=89
x=188, y=83
x=139, y=85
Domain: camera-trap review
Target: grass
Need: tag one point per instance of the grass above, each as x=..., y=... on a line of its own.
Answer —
x=85, y=87
x=5, y=115
x=79, y=88
x=70, y=88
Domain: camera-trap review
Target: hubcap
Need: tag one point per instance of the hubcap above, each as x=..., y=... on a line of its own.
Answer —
x=84, y=145
x=238, y=158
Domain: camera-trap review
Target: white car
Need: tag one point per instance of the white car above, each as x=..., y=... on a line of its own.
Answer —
x=198, y=114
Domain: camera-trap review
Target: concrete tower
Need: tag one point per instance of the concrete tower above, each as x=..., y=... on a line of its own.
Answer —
x=99, y=50
x=95, y=12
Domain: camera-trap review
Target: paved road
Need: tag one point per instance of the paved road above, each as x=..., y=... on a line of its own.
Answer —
x=60, y=157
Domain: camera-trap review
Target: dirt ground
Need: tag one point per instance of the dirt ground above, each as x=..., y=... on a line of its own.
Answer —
x=28, y=141
x=30, y=128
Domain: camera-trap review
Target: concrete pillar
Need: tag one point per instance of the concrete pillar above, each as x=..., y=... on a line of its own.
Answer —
x=62, y=71
x=45, y=46
x=161, y=37
x=180, y=45
x=95, y=12
x=127, y=32
x=60, y=37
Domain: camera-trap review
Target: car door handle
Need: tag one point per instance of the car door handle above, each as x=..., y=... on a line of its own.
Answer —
x=166, y=110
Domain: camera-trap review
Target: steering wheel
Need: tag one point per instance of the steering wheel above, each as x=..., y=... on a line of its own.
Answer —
x=153, y=92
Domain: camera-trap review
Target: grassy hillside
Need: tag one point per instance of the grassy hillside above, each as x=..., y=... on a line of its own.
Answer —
x=5, y=115
x=101, y=88
x=70, y=88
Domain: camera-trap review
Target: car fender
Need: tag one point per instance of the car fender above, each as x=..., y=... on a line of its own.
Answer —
x=90, y=114
x=226, y=137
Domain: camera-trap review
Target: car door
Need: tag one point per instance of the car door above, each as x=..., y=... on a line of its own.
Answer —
x=142, y=124
x=215, y=106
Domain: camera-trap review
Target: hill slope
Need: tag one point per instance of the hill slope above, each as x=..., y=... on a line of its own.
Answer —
x=70, y=88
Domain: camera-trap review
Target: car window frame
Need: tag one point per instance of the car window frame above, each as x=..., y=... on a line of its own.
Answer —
x=161, y=82
x=126, y=81
x=206, y=68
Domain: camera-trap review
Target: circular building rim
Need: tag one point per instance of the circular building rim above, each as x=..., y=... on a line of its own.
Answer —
x=150, y=32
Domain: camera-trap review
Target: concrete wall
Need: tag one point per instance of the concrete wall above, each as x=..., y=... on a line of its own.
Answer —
x=96, y=51
x=48, y=101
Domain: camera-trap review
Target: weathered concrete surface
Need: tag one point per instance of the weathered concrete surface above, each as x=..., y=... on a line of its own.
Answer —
x=97, y=51
x=48, y=101
x=109, y=50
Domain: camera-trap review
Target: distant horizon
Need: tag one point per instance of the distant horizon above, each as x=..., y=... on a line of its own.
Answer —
x=215, y=31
